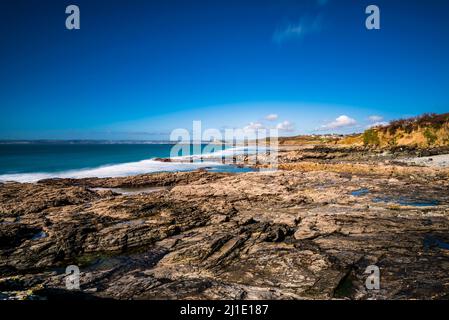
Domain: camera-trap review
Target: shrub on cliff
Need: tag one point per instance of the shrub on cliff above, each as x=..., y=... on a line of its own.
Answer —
x=370, y=137
x=430, y=136
x=435, y=121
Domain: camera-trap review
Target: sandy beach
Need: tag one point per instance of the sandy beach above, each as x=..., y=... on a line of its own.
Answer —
x=438, y=161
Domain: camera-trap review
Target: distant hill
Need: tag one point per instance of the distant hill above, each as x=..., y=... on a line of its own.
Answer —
x=427, y=130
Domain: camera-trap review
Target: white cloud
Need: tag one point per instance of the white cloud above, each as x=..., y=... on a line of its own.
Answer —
x=254, y=126
x=340, y=122
x=305, y=26
x=272, y=117
x=286, y=126
x=378, y=124
x=375, y=118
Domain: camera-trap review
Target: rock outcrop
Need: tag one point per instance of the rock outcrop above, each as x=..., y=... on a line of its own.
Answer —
x=290, y=234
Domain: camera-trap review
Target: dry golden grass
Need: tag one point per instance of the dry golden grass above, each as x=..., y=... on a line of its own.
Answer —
x=356, y=140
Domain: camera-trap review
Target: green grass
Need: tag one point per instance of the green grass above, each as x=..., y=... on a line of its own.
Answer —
x=370, y=137
x=430, y=136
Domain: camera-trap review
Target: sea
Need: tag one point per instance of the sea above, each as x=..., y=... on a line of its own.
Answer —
x=31, y=162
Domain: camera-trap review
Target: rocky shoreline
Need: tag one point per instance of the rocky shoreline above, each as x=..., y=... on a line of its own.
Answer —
x=306, y=231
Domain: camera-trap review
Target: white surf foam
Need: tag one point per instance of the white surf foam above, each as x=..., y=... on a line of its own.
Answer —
x=224, y=153
x=117, y=170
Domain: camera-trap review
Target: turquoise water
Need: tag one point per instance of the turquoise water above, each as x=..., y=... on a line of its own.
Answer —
x=360, y=192
x=31, y=162
x=62, y=157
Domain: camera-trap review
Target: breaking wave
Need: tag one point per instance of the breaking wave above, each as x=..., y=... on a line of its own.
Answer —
x=116, y=170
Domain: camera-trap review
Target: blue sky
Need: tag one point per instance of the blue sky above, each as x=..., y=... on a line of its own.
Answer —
x=138, y=69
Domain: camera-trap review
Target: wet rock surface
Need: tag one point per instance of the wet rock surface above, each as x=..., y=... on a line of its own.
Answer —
x=288, y=234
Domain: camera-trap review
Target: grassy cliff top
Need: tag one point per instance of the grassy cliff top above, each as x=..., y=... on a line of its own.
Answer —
x=427, y=130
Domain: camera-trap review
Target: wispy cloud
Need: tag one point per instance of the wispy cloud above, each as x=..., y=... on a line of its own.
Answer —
x=377, y=124
x=376, y=121
x=375, y=118
x=254, y=126
x=293, y=31
x=272, y=117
